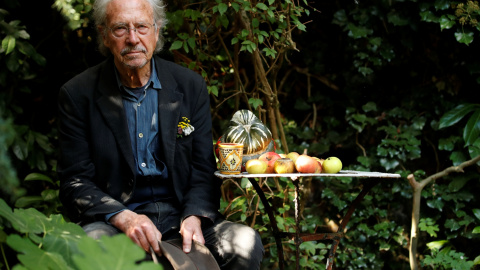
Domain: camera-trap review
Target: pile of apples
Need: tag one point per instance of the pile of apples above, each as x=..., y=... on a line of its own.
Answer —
x=272, y=162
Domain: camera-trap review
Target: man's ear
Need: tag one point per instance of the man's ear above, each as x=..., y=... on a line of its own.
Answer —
x=101, y=29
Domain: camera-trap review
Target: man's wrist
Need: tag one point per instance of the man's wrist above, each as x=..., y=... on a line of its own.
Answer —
x=108, y=216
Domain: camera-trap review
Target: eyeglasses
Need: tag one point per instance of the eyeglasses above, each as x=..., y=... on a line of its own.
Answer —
x=121, y=30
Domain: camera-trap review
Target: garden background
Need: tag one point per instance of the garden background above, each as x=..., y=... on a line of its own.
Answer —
x=389, y=86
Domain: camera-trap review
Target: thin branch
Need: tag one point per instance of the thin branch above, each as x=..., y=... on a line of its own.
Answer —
x=417, y=187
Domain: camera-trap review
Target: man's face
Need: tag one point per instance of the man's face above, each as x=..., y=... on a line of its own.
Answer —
x=134, y=50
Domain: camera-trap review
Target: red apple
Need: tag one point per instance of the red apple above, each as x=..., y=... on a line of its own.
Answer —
x=307, y=164
x=270, y=158
x=320, y=162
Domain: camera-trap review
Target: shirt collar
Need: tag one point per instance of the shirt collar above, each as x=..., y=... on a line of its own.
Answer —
x=153, y=82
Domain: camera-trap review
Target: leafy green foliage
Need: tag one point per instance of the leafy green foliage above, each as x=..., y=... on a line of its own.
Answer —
x=444, y=257
x=429, y=226
x=10, y=183
x=74, y=12
x=375, y=83
x=32, y=149
x=449, y=14
x=471, y=132
x=42, y=242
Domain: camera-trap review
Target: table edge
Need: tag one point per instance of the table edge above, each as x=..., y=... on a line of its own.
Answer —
x=343, y=173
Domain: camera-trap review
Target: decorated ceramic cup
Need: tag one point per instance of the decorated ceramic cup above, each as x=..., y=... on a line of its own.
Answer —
x=230, y=158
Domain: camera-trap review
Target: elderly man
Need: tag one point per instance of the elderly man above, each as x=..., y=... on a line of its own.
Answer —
x=136, y=145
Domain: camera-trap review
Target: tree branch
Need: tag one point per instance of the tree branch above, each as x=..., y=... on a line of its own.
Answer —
x=417, y=197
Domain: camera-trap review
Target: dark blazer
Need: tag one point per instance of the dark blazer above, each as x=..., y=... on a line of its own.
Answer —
x=96, y=165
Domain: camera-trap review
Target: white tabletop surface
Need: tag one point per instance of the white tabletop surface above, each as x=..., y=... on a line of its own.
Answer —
x=343, y=173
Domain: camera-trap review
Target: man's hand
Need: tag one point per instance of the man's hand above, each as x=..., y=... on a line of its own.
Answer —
x=191, y=230
x=139, y=228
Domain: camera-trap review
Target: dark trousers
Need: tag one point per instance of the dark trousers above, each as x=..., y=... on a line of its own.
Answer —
x=234, y=246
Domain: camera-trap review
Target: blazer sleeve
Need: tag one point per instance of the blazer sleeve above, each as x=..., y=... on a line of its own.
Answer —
x=82, y=198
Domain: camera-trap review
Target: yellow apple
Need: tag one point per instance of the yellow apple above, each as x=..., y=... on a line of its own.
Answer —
x=293, y=156
x=332, y=165
x=256, y=166
x=284, y=165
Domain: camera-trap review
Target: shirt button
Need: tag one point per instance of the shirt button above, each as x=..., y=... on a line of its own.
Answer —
x=140, y=135
x=138, y=104
x=143, y=164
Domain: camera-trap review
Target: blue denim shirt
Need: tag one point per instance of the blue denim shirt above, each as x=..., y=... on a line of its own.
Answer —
x=141, y=109
x=142, y=118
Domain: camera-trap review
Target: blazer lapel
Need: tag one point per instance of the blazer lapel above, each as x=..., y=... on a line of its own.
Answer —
x=111, y=106
x=169, y=104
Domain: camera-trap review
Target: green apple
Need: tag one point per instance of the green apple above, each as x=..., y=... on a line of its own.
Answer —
x=256, y=166
x=332, y=165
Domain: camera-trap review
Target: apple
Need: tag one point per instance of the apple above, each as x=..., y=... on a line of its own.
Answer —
x=282, y=155
x=293, y=156
x=307, y=164
x=284, y=165
x=255, y=166
x=332, y=165
x=270, y=158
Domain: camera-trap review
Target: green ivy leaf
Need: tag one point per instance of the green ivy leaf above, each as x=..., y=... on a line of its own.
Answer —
x=111, y=253
x=465, y=38
x=436, y=203
x=397, y=20
x=255, y=102
x=358, y=31
x=33, y=257
x=365, y=71
x=446, y=22
x=452, y=225
x=447, y=144
x=442, y=4
x=428, y=16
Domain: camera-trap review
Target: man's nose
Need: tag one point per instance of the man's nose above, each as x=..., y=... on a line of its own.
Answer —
x=132, y=35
